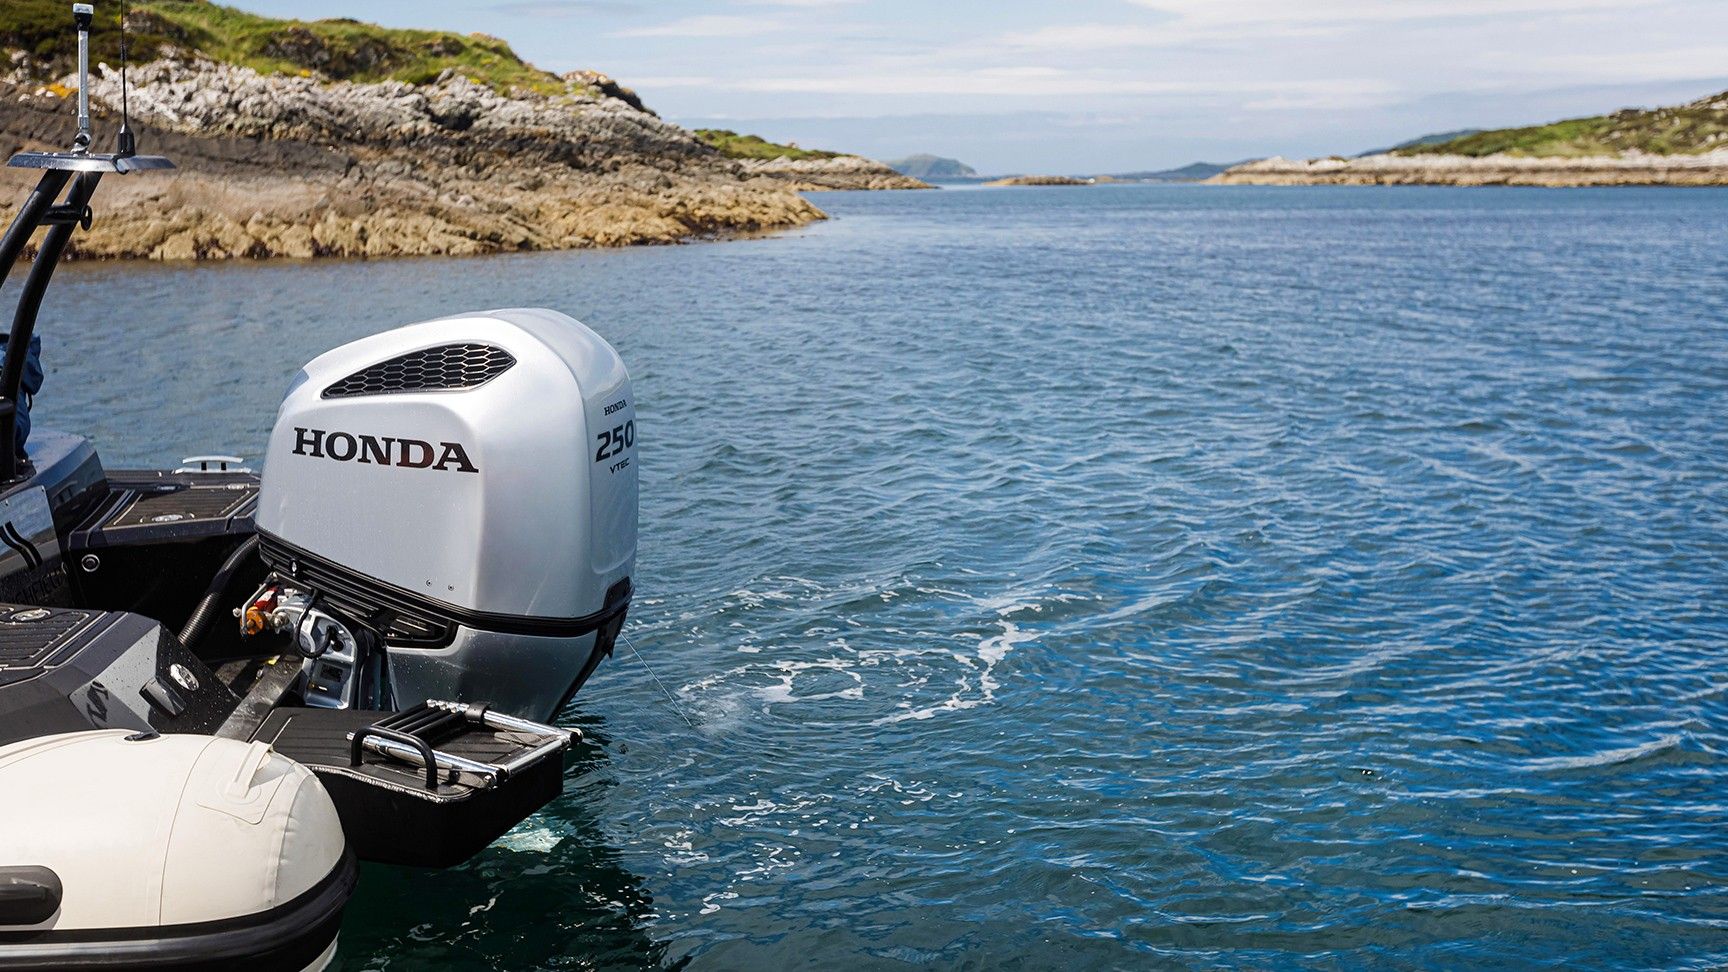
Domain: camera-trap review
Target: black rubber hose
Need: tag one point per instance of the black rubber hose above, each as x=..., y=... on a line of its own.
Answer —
x=207, y=608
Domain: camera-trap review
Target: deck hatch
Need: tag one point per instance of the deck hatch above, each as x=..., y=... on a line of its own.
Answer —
x=28, y=634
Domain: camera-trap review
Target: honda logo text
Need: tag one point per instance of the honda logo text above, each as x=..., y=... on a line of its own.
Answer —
x=381, y=450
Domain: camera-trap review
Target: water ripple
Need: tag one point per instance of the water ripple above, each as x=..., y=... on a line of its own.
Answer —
x=1119, y=578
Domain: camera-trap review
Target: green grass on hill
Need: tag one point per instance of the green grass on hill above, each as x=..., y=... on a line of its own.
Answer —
x=338, y=49
x=736, y=146
x=1679, y=130
x=43, y=28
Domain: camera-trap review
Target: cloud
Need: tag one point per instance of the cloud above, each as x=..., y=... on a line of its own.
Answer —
x=1022, y=82
x=650, y=81
x=1365, y=11
x=1189, y=21
x=1081, y=38
x=707, y=25
x=1086, y=37
x=1222, y=77
x=1628, y=66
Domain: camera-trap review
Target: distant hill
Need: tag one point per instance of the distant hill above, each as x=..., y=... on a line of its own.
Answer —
x=1192, y=172
x=1686, y=129
x=1682, y=145
x=1421, y=140
x=926, y=166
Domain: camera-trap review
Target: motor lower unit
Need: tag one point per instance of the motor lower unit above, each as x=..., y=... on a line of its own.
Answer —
x=448, y=510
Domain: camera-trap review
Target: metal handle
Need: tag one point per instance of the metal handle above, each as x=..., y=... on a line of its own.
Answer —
x=412, y=749
x=404, y=745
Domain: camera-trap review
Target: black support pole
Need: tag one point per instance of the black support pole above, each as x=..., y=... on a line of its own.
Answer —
x=29, y=303
x=29, y=218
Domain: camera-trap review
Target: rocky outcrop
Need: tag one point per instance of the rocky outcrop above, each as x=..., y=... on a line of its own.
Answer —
x=288, y=166
x=1042, y=180
x=834, y=172
x=602, y=84
x=1626, y=169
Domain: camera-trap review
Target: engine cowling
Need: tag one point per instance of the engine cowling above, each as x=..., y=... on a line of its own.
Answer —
x=467, y=489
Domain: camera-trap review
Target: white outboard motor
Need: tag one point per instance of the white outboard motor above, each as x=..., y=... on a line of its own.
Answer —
x=449, y=511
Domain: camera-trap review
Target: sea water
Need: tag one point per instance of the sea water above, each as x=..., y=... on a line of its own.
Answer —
x=1103, y=577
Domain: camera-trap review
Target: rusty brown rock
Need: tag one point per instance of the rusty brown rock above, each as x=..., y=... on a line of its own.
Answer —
x=293, y=167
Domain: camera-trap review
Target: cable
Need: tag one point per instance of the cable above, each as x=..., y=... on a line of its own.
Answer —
x=652, y=674
x=200, y=617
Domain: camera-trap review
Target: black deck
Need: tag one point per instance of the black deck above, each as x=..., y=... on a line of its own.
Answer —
x=152, y=506
x=388, y=813
x=319, y=738
x=67, y=670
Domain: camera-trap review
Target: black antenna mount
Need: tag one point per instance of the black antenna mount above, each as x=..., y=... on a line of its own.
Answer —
x=125, y=146
x=61, y=203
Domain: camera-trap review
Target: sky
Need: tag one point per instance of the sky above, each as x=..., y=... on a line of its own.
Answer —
x=1103, y=86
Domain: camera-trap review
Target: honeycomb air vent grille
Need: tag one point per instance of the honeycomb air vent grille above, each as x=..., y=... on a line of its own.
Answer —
x=447, y=366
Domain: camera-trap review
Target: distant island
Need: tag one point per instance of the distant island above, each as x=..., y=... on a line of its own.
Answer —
x=937, y=168
x=1683, y=145
x=1192, y=172
x=1040, y=180
x=341, y=138
x=932, y=167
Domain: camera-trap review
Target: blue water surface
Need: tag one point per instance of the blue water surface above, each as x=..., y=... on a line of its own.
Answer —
x=1091, y=578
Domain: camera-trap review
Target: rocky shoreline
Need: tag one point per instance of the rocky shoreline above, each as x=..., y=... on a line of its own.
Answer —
x=274, y=165
x=834, y=172
x=1627, y=169
x=1041, y=180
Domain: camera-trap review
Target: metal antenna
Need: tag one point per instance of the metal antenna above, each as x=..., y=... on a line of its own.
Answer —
x=125, y=146
x=82, y=15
